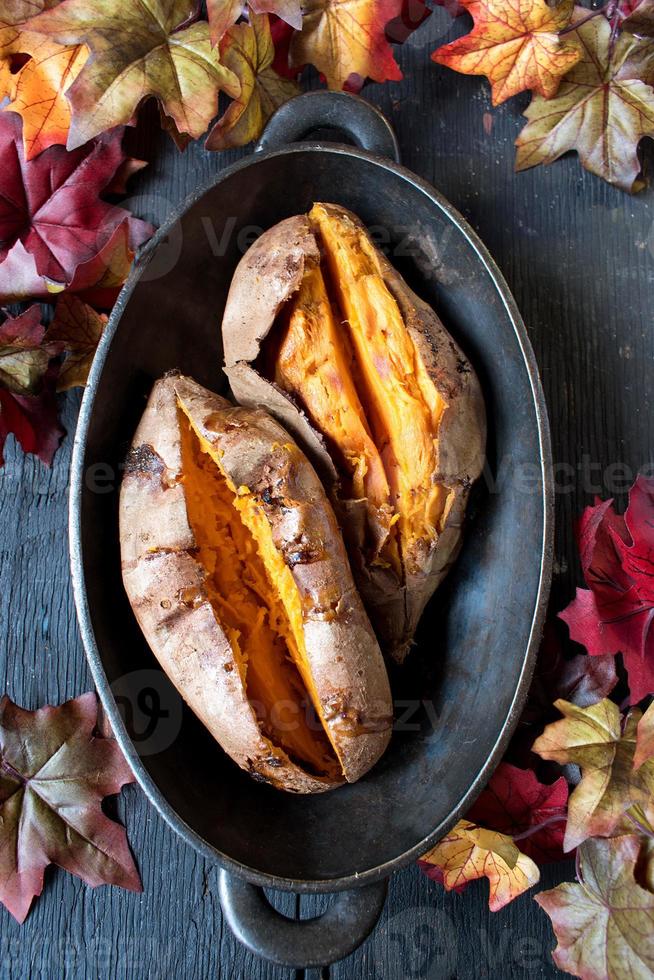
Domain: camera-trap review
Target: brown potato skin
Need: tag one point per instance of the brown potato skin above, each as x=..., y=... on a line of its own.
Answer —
x=394, y=608
x=166, y=585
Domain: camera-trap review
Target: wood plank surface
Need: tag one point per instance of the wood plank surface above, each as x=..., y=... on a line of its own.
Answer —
x=579, y=257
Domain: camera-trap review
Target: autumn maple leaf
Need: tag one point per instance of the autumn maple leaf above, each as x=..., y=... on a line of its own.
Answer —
x=346, y=41
x=24, y=358
x=55, y=772
x=602, y=110
x=604, y=925
x=138, y=50
x=51, y=218
x=469, y=852
x=516, y=44
x=40, y=92
x=28, y=407
x=595, y=739
x=77, y=327
x=223, y=14
x=617, y=612
x=247, y=49
x=640, y=17
x=13, y=19
x=99, y=280
x=532, y=813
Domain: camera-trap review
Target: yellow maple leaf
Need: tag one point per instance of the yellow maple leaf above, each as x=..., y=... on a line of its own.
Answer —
x=469, y=852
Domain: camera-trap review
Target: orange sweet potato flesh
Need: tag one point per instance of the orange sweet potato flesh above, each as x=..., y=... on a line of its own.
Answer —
x=342, y=350
x=252, y=612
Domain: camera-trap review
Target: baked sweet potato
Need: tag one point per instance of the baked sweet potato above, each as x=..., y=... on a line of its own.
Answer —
x=324, y=332
x=237, y=574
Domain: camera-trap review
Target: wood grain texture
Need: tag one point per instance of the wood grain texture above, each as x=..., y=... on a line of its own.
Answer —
x=579, y=257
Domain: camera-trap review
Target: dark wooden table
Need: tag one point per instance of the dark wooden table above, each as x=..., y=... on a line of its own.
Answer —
x=579, y=257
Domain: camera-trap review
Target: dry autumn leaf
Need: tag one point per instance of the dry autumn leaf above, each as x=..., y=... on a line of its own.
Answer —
x=51, y=216
x=223, y=14
x=469, y=852
x=55, y=773
x=594, y=739
x=77, y=327
x=32, y=420
x=645, y=738
x=346, y=41
x=515, y=803
x=99, y=280
x=39, y=94
x=641, y=19
x=516, y=45
x=23, y=357
x=13, y=18
x=248, y=51
x=602, y=110
x=138, y=50
x=616, y=613
x=604, y=925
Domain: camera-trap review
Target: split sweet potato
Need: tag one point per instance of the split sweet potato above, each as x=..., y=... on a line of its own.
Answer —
x=236, y=571
x=324, y=332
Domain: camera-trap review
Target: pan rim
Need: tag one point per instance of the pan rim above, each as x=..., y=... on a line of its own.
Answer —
x=147, y=783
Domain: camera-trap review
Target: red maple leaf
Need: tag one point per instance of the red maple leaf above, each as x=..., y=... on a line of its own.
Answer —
x=55, y=771
x=532, y=813
x=51, y=216
x=28, y=406
x=282, y=34
x=615, y=614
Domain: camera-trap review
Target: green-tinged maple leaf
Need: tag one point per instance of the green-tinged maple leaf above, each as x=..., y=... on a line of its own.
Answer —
x=469, y=852
x=54, y=773
x=594, y=739
x=345, y=40
x=604, y=925
x=645, y=738
x=77, y=328
x=516, y=45
x=138, y=50
x=24, y=358
x=248, y=51
x=602, y=110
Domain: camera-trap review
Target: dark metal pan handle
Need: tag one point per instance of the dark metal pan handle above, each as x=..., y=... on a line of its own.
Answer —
x=354, y=117
x=300, y=943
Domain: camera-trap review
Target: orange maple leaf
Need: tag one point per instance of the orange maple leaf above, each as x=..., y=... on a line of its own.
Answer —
x=345, y=40
x=516, y=44
x=39, y=95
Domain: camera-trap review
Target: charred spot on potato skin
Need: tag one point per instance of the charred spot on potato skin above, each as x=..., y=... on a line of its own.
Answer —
x=252, y=768
x=143, y=460
x=301, y=551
